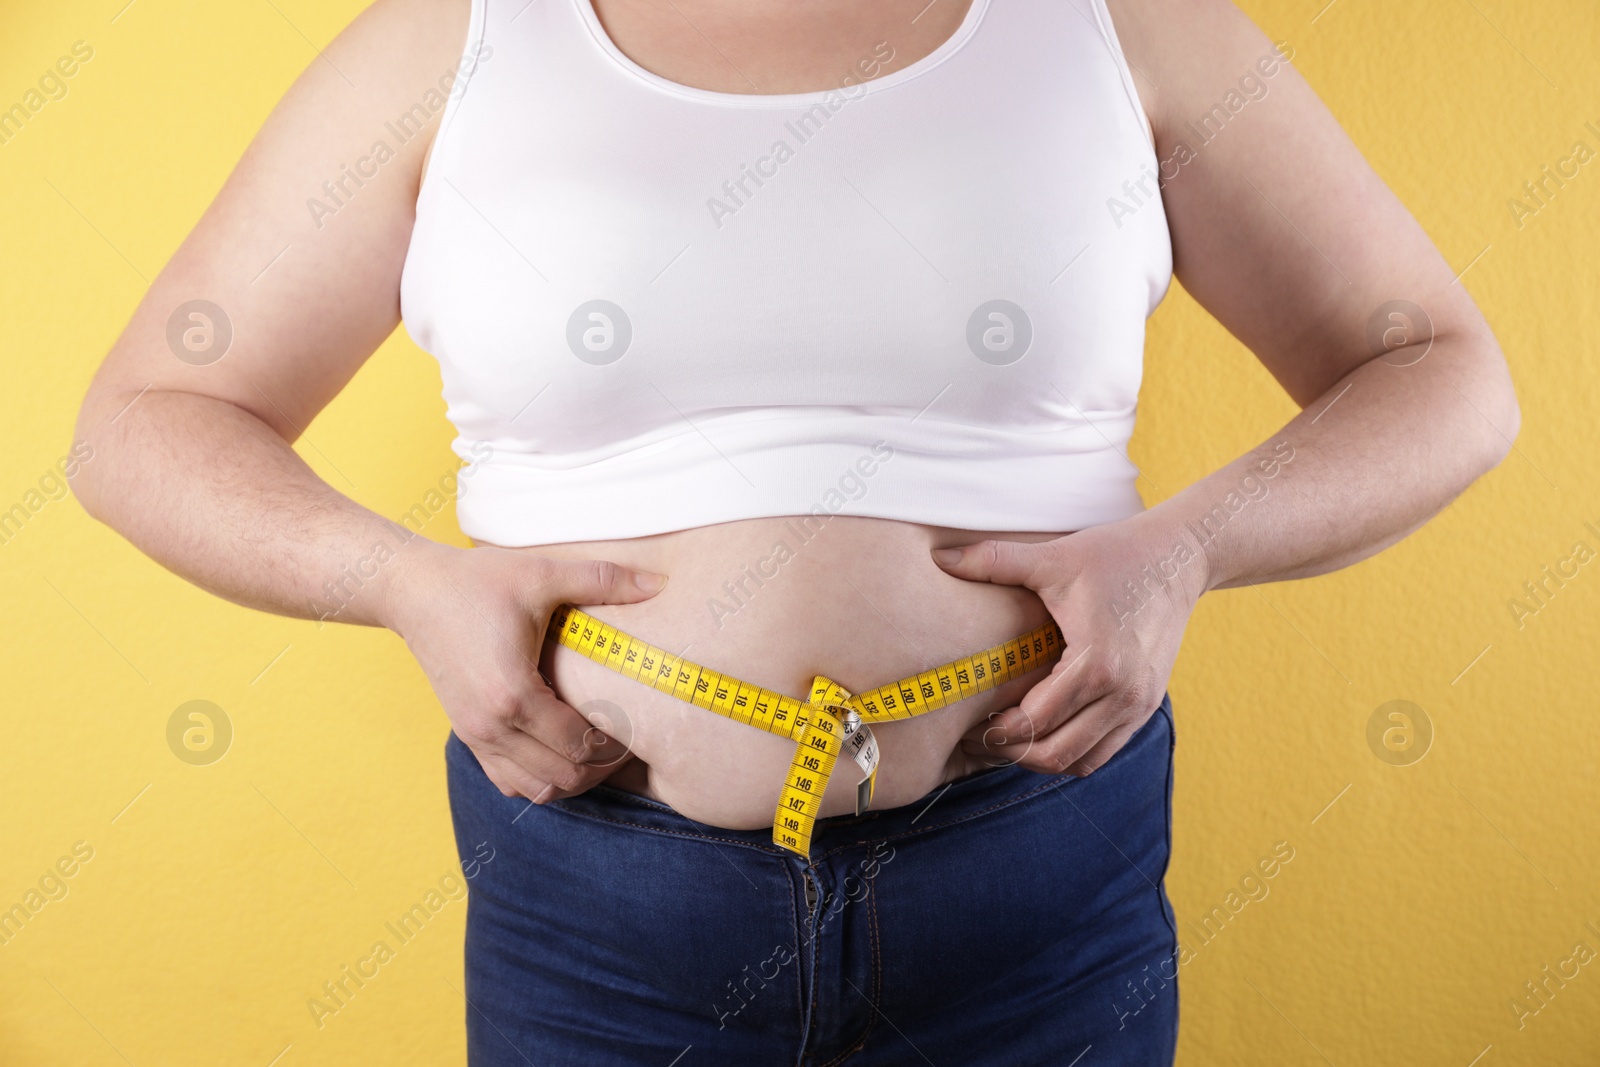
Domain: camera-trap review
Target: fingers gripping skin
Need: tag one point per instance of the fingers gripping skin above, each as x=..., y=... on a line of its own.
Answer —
x=475, y=619
x=1113, y=672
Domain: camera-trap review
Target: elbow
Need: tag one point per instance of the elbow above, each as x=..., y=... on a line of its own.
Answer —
x=1495, y=400
x=82, y=481
x=85, y=461
x=1510, y=424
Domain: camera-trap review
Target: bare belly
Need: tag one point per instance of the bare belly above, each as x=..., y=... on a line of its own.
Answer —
x=774, y=602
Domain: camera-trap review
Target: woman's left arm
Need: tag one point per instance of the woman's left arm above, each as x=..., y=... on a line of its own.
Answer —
x=1282, y=231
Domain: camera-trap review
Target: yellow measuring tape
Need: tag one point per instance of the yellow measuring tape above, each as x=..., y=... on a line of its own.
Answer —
x=830, y=722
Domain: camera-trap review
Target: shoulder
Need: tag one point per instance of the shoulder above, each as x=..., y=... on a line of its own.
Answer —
x=1184, y=53
x=417, y=49
x=324, y=196
x=399, y=44
x=419, y=28
x=396, y=58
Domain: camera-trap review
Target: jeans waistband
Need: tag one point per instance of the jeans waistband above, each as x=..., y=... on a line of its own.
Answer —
x=965, y=798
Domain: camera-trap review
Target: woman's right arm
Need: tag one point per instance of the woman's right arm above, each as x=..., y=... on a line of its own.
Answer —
x=262, y=315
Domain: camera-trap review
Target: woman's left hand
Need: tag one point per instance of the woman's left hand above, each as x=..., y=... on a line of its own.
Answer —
x=1122, y=594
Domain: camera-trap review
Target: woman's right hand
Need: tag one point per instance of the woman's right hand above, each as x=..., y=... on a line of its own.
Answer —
x=475, y=620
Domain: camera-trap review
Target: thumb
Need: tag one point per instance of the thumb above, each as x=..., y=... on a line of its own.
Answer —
x=1000, y=562
x=598, y=581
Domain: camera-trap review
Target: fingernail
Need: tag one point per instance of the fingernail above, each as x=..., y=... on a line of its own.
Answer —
x=947, y=556
x=649, y=581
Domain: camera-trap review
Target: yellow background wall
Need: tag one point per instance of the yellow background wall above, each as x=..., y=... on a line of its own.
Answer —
x=219, y=898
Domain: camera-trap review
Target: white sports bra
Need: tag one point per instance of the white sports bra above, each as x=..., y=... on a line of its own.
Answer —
x=918, y=297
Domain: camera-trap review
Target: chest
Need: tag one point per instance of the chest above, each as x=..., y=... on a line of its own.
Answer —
x=648, y=255
x=741, y=48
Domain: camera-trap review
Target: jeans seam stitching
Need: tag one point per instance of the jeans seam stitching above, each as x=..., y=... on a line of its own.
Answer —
x=877, y=972
x=1172, y=745
x=799, y=962
x=1161, y=900
x=955, y=821
x=688, y=834
x=872, y=1020
x=816, y=935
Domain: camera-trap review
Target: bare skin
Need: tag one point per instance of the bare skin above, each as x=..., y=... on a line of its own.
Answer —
x=194, y=464
x=861, y=602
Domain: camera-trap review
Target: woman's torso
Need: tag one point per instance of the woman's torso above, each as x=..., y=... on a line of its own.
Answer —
x=775, y=602
x=829, y=571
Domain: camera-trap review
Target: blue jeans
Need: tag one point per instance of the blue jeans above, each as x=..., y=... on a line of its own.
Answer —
x=1013, y=919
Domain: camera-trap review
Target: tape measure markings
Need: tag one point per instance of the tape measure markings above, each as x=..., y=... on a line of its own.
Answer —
x=819, y=732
